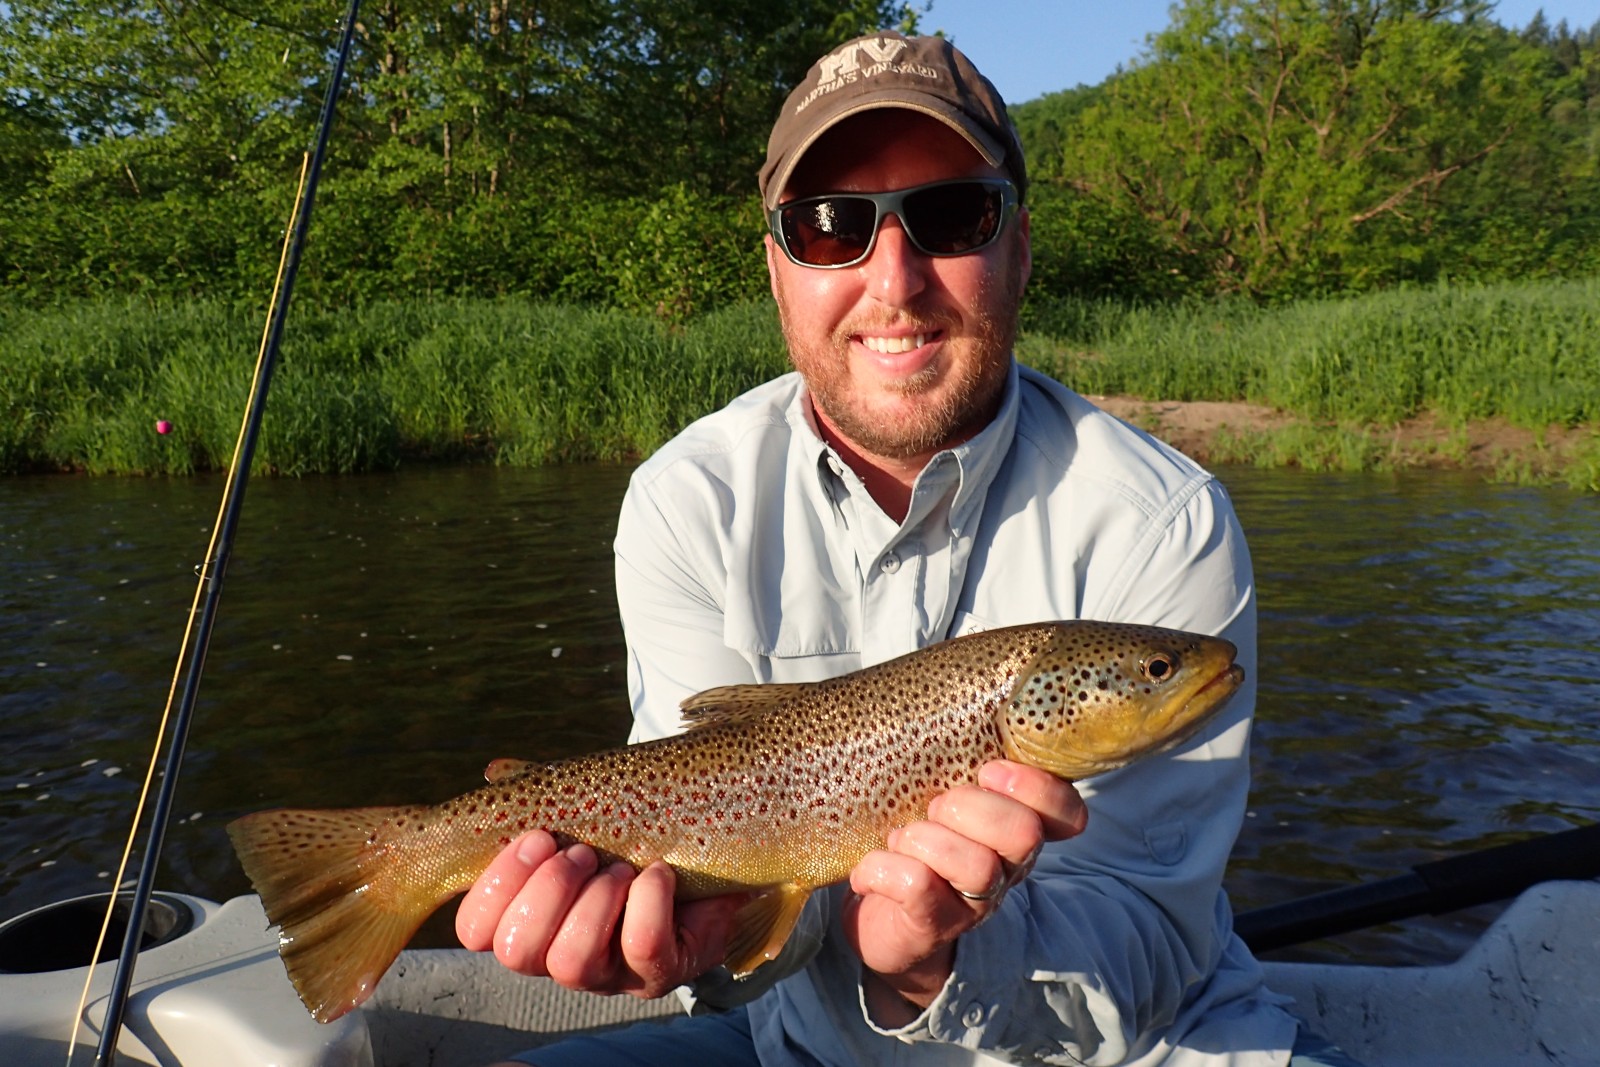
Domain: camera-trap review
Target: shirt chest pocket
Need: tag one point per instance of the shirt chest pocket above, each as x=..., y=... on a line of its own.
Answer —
x=805, y=640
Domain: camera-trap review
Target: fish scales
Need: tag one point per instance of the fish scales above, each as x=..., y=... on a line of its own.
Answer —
x=773, y=790
x=737, y=804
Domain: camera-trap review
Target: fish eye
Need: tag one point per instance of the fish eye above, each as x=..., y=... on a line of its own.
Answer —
x=1158, y=668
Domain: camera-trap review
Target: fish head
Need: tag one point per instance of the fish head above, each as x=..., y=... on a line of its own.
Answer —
x=1100, y=695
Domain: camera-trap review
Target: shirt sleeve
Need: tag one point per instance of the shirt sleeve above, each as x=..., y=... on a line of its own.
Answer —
x=670, y=599
x=1122, y=927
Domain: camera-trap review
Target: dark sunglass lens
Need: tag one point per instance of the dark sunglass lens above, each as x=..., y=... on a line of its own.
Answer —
x=828, y=231
x=956, y=218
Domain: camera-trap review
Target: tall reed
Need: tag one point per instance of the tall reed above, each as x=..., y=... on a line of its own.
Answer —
x=516, y=382
x=1525, y=352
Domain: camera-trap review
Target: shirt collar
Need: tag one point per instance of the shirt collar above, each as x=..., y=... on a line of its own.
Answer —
x=977, y=460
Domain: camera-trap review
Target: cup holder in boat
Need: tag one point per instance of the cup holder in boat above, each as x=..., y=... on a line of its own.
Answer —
x=61, y=936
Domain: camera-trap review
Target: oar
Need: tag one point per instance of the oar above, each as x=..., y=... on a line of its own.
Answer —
x=1434, y=888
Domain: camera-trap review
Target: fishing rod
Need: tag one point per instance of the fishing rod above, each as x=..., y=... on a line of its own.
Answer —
x=216, y=564
x=1433, y=888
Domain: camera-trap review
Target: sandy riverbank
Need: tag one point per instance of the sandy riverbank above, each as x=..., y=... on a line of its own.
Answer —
x=1197, y=427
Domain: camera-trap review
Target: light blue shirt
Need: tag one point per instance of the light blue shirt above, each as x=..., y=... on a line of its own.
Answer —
x=748, y=551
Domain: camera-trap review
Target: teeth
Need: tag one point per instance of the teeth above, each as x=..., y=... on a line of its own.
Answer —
x=891, y=346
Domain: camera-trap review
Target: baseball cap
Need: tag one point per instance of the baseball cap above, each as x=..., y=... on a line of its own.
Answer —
x=887, y=69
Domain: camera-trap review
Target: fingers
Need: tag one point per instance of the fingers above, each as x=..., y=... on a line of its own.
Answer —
x=545, y=911
x=971, y=870
x=535, y=915
x=664, y=944
x=1056, y=802
x=940, y=877
x=984, y=839
x=557, y=913
x=581, y=954
x=976, y=838
x=900, y=874
x=648, y=941
x=486, y=902
x=903, y=919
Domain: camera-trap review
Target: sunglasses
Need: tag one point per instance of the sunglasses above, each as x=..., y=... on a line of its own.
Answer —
x=948, y=218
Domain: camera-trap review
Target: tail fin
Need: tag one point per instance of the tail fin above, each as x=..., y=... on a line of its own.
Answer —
x=323, y=882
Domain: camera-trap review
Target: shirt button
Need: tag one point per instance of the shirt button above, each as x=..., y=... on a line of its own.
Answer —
x=890, y=563
x=973, y=1016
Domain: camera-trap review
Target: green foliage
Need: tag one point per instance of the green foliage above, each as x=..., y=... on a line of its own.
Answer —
x=364, y=388
x=1311, y=146
x=1087, y=248
x=515, y=381
x=1312, y=448
x=1528, y=353
x=602, y=150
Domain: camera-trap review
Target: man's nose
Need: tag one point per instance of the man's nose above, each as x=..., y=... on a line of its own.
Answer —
x=895, y=271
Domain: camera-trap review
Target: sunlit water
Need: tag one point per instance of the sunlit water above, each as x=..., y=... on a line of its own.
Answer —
x=1430, y=677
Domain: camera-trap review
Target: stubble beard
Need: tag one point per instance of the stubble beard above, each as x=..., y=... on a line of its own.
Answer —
x=952, y=415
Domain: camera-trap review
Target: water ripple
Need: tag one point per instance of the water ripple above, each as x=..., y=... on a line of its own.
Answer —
x=1429, y=678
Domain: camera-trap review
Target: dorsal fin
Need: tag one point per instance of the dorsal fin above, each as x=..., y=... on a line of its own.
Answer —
x=735, y=703
x=503, y=768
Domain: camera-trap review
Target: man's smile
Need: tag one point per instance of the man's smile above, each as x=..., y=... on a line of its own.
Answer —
x=891, y=346
x=901, y=357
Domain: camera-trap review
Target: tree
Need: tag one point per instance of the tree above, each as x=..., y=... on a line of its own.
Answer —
x=162, y=136
x=1299, y=146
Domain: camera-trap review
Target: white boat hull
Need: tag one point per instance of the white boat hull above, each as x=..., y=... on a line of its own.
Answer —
x=1528, y=993
x=215, y=995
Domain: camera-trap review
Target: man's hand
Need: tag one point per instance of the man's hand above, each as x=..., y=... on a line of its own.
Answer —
x=553, y=912
x=939, y=878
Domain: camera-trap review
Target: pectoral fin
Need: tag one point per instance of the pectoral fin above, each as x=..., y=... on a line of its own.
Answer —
x=763, y=925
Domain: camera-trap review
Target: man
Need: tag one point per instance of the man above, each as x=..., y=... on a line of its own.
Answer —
x=909, y=483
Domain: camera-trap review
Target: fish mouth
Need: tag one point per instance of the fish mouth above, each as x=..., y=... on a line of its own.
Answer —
x=1204, y=702
x=1231, y=679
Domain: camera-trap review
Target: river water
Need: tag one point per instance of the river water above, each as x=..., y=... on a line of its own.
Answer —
x=1430, y=680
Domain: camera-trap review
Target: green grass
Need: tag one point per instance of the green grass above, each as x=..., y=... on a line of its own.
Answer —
x=81, y=387
x=1526, y=352
x=519, y=383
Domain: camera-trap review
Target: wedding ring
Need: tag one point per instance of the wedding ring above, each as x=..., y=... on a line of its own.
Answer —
x=996, y=887
x=1007, y=877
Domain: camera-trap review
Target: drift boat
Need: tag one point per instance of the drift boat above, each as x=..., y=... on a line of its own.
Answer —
x=210, y=989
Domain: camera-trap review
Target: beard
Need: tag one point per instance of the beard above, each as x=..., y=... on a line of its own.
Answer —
x=937, y=407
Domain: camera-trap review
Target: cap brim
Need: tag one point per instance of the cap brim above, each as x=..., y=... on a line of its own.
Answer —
x=992, y=153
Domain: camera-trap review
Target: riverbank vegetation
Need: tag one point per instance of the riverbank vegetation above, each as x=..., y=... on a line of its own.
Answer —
x=538, y=238
x=519, y=382
x=604, y=152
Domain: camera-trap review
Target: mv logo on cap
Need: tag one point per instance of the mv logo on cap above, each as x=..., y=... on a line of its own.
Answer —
x=865, y=58
x=847, y=60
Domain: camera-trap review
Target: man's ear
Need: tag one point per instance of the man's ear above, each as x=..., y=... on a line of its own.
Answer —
x=772, y=263
x=1024, y=245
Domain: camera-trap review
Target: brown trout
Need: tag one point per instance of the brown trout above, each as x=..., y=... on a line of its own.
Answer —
x=775, y=790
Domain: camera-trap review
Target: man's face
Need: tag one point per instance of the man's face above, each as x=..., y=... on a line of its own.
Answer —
x=904, y=354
